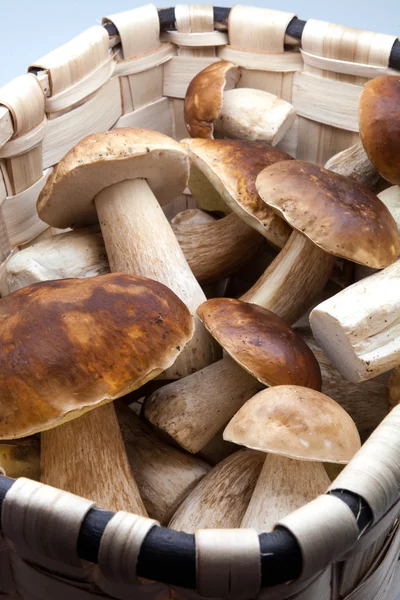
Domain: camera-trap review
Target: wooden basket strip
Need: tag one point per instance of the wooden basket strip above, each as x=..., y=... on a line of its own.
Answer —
x=318, y=142
x=5, y=248
x=158, y=116
x=139, y=31
x=99, y=113
x=179, y=72
x=75, y=60
x=326, y=101
x=6, y=125
x=279, y=62
x=144, y=62
x=194, y=40
x=24, y=98
x=345, y=67
x=82, y=88
x=24, y=142
x=19, y=213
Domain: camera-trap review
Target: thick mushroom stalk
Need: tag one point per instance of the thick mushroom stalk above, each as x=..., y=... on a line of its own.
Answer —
x=213, y=106
x=265, y=351
x=221, y=498
x=298, y=428
x=119, y=178
x=358, y=327
x=320, y=206
x=354, y=162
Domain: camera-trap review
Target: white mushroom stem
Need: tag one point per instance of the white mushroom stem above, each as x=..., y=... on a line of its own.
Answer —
x=193, y=410
x=367, y=414
x=87, y=457
x=359, y=328
x=217, y=449
x=283, y=486
x=164, y=475
x=254, y=115
x=354, y=162
x=139, y=240
x=221, y=498
x=293, y=279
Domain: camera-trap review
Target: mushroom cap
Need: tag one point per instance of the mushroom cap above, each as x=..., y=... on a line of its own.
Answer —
x=103, y=159
x=261, y=342
x=231, y=166
x=379, y=120
x=295, y=422
x=336, y=213
x=68, y=346
x=204, y=97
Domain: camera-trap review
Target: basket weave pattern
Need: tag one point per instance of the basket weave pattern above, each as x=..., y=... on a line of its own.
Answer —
x=139, y=79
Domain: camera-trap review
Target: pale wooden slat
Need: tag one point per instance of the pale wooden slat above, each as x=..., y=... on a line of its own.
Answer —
x=138, y=64
x=345, y=67
x=193, y=40
x=157, y=116
x=180, y=128
x=195, y=19
x=326, y=101
x=24, y=98
x=24, y=142
x=99, y=113
x=6, y=125
x=280, y=62
x=179, y=72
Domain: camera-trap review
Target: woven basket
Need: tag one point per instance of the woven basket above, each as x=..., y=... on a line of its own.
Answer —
x=133, y=72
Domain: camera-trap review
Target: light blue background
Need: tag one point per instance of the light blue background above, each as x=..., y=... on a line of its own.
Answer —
x=31, y=28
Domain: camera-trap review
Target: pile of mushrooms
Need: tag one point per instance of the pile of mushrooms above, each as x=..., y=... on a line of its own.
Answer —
x=214, y=370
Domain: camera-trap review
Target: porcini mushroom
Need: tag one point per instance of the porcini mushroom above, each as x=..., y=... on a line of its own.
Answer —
x=20, y=458
x=165, y=475
x=358, y=327
x=118, y=178
x=258, y=342
x=221, y=498
x=74, y=345
x=331, y=216
x=299, y=428
x=230, y=167
x=212, y=105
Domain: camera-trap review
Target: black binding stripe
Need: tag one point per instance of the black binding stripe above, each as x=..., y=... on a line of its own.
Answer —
x=170, y=556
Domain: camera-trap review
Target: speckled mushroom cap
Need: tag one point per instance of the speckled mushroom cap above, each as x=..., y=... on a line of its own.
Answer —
x=379, y=120
x=336, y=213
x=231, y=167
x=103, y=159
x=295, y=422
x=204, y=97
x=260, y=342
x=70, y=345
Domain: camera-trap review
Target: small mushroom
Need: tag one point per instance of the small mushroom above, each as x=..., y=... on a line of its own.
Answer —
x=20, y=458
x=300, y=429
x=258, y=342
x=74, y=345
x=358, y=327
x=230, y=167
x=221, y=498
x=120, y=178
x=164, y=475
x=331, y=216
x=212, y=106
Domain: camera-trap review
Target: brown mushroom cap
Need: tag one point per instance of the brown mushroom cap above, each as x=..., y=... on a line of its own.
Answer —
x=231, y=166
x=103, y=159
x=379, y=120
x=260, y=342
x=204, y=97
x=71, y=345
x=336, y=213
x=295, y=422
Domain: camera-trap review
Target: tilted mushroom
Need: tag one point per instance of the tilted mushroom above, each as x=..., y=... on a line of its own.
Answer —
x=230, y=167
x=354, y=163
x=212, y=105
x=366, y=402
x=20, y=458
x=379, y=123
x=118, y=178
x=299, y=428
x=331, y=216
x=74, y=345
x=358, y=327
x=193, y=409
x=221, y=498
x=79, y=253
x=164, y=475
